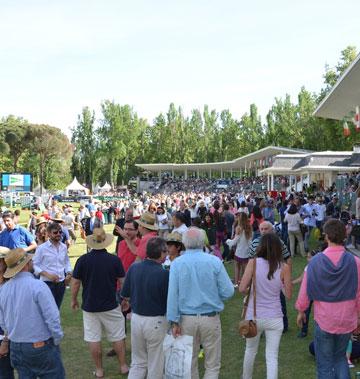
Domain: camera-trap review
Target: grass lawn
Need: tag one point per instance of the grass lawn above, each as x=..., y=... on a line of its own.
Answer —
x=294, y=359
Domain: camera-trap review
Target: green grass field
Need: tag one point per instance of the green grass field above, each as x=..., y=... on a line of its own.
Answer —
x=294, y=359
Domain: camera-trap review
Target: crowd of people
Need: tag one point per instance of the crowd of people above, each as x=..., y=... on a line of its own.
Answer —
x=169, y=270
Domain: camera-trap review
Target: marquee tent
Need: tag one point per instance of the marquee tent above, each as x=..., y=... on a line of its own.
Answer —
x=76, y=188
x=105, y=187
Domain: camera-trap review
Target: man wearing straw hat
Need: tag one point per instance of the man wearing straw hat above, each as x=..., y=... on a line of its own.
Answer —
x=16, y=236
x=6, y=370
x=99, y=272
x=25, y=298
x=147, y=229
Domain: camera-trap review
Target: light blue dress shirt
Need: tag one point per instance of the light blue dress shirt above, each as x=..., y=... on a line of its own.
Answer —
x=309, y=210
x=28, y=311
x=198, y=284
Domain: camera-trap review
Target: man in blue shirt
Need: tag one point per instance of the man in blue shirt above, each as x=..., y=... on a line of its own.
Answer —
x=16, y=236
x=25, y=298
x=309, y=214
x=198, y=285
x=146, y=287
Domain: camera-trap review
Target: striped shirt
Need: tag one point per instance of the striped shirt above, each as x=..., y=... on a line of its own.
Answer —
x=256, y=242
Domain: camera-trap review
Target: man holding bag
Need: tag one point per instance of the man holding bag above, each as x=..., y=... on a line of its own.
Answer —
x=198, y=285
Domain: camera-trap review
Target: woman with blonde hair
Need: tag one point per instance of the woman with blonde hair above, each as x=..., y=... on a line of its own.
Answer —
x=242, y=240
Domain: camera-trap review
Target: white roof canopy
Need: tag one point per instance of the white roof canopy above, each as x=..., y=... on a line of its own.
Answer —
x=238, y=163
x=344, y=96
x=106, y=187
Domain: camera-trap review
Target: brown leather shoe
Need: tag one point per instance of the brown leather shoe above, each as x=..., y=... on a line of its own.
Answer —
x=111, y=353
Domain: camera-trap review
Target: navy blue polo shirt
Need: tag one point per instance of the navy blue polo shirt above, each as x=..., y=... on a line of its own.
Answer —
x=146, y=285
x=98, y=271
x=17, y=237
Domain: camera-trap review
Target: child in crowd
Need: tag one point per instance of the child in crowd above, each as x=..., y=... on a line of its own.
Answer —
x=242, y=240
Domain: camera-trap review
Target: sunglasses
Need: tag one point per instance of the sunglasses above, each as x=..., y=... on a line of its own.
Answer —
x=56, y=232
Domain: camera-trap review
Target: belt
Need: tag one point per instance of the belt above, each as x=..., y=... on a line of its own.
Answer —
x=36, y=345
x=210, y=314
x=42, y=343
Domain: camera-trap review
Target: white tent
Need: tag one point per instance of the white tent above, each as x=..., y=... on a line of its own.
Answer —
x=97, y=188
x=76, y=187
x=106, y=187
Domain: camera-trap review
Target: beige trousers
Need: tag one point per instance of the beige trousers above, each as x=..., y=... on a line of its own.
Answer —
x=147, y=337
x=299, y=237
x=207, y=332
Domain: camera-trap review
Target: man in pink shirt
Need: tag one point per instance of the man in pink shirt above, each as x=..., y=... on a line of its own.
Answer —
x=126, y=255
x=147, y=229
x=332, y=281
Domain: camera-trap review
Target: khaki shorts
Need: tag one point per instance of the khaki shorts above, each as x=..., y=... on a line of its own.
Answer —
x=112, y=322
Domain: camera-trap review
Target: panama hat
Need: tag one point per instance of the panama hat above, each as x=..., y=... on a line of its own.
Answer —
x=57, y=217
x=174, y=237
x=99, y=239
x=15, y=261
x=3, y=251
x=41, y=220
x=147, y=220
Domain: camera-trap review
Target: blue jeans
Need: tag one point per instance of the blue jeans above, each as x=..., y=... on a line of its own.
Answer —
x=307, y=237
x=42, y=362
x=58, y=291
x=331, y=362
x=284, y=311
x=6, y=371
x=305, y=326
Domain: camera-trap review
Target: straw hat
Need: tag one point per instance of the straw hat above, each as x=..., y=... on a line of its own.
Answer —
x=3, y=251
x=15, y=261
x=41, y=220
x=58, y=217
x=147, y=220
x=174, y=237
x=99, y=239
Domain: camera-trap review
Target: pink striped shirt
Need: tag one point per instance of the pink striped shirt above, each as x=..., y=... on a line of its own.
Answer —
x=335, y=318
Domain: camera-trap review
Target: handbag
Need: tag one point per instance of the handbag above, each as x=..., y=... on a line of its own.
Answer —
x=248, y=328
x=303, y=228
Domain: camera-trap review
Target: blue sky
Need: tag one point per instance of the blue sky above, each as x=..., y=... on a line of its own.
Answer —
x=58, y=56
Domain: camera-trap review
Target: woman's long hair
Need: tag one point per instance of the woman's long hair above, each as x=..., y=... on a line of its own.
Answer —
x=257, y=212
x=270, y=248
x=244, y=224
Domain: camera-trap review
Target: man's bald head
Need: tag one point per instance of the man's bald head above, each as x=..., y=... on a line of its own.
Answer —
x=266, y=227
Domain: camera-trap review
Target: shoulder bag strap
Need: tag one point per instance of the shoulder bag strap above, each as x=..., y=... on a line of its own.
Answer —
x=248, y=295
x=245, y=307
x=254, y=287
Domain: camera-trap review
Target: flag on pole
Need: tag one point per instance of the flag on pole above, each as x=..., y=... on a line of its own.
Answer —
x=357, y=119
x=346, y=129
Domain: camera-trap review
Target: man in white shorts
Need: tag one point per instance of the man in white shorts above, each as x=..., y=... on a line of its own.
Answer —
x=98, y=272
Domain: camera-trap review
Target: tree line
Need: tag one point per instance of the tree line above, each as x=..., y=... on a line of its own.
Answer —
x=106, y=148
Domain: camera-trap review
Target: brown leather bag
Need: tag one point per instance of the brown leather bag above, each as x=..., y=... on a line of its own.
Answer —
x=248, y=328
